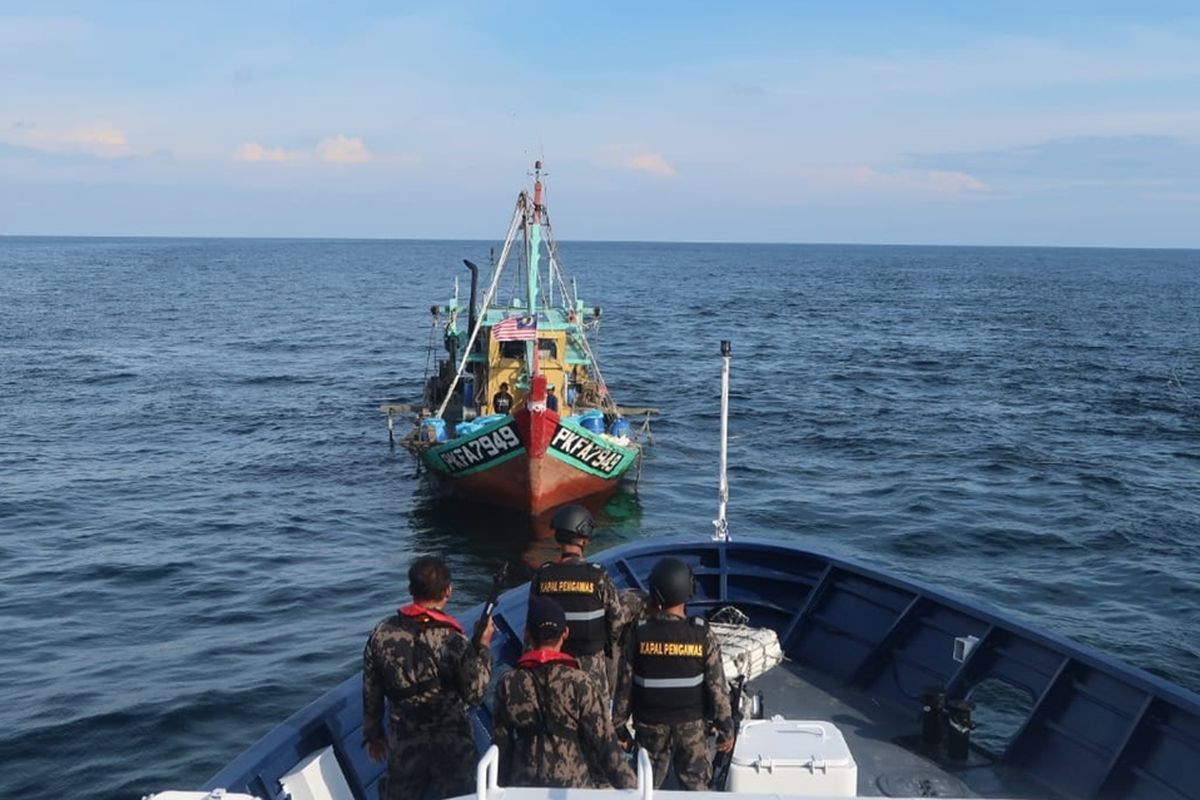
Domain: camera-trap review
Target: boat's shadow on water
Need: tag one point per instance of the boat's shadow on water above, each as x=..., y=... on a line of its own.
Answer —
x=485, y=537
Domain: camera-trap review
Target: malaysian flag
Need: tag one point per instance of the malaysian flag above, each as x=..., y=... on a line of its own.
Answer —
x=515, y=329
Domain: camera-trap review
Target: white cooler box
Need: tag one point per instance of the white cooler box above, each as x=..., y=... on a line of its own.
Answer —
x=792, y=757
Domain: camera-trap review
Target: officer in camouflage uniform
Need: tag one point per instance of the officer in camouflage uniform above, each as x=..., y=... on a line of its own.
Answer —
x=585, y=592
x=421, y=661
x=633, y=604
x=672, y=682
x=551, y=723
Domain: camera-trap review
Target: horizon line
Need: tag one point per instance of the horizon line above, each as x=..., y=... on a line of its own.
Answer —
x=6, y=236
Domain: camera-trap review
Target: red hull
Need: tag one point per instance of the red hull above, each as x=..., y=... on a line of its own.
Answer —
x=550, y=464
x=530, y=484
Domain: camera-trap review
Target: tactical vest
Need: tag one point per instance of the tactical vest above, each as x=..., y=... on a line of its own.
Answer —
x=422, y=650
x=575, y=586
x=668, y=669
x=543, y=723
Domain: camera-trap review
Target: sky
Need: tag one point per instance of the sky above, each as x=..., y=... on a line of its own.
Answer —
x=1005, y=123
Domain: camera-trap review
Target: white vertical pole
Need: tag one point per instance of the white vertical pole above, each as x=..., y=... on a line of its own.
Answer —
x=721, y=533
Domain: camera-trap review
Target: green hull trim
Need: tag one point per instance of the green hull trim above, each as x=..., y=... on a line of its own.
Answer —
x=484, y=449
x=595, y=455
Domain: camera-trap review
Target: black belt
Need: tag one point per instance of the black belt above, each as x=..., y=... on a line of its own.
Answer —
x=420, y=687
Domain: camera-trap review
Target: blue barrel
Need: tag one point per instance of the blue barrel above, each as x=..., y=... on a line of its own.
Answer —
x=592, y=420
x=433, y=429
x=468, y=384
x=619, y=427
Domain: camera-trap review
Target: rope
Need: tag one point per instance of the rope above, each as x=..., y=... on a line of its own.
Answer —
x=518, y=214
x=606, y=400
x=437, y=317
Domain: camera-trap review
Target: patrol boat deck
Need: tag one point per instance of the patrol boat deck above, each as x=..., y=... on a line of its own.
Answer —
x=1056, y=719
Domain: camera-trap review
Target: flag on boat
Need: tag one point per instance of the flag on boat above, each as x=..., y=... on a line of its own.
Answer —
x=515, y=329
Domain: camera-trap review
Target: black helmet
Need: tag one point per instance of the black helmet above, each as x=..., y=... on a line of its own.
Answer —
x=572, y=522
x=670, y=582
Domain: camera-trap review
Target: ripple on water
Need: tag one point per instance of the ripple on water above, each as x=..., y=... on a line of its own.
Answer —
x=200, y=518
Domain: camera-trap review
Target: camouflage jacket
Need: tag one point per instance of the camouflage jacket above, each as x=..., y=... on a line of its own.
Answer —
x=716, y=689
x=425, y=653
x=552, y=729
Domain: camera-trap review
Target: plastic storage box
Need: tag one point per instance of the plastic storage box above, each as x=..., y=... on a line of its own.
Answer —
x=792, y=757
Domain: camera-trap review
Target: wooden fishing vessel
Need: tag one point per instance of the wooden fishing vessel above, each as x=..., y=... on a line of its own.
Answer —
x=517, y=413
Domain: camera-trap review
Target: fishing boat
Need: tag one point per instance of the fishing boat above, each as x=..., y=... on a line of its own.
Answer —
x=517, y=413
x=880, y=686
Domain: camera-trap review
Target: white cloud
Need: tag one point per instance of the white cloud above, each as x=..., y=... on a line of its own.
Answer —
x=103, y=136
x=254, y=152
x=909, y=182
x=100, y=140
x=932, y=181
x=40, y=31
x=343, y=149
x=340, y=149
x=653, y=163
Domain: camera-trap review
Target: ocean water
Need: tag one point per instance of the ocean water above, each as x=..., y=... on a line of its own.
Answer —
x=201, y=519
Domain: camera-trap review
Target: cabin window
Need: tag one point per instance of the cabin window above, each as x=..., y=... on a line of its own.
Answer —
x=1001, y=708
x=512, y=350
x=548, y=348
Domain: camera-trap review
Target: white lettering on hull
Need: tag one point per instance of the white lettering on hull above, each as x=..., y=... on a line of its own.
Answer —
x=586, y=451
x=482, y=449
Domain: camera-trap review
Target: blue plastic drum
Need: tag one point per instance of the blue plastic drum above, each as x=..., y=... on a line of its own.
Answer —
x=619, y=428
x=468, y=390
x=433, y=429
x=592, y=420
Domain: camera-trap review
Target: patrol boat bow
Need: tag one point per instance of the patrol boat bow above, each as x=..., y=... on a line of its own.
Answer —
x=866, y=651
x=888, y=688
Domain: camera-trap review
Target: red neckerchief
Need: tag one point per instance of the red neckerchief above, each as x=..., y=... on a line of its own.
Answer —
x=535, y=658
x=415, y=610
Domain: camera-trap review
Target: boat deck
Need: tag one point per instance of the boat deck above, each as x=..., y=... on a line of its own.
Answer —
x=886, y=743
x=1066, y=721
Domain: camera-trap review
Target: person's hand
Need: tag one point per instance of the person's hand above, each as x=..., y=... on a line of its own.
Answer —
x=485, y=638
x=625, y=739
x=724, y=744
x=376, y=750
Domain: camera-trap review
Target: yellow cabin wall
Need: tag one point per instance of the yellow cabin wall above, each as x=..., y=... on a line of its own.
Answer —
x=512, y=370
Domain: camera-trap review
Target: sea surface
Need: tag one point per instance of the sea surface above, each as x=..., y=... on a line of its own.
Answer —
x=201, y=519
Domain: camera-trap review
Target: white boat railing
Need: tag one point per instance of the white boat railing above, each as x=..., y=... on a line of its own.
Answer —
x=645, y=775
x=487, y=775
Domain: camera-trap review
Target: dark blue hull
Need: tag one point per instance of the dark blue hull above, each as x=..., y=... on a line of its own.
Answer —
x=1084, y=725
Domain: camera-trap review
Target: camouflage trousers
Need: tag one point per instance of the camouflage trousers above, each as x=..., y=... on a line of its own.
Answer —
x=683, y=745
x=596, y=668
x=435, y=761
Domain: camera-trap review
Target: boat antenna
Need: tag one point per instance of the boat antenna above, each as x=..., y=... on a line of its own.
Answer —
x=721, y=532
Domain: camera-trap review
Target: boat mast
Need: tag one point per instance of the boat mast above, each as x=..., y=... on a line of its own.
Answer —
x=534, y=240
x=721, y=534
